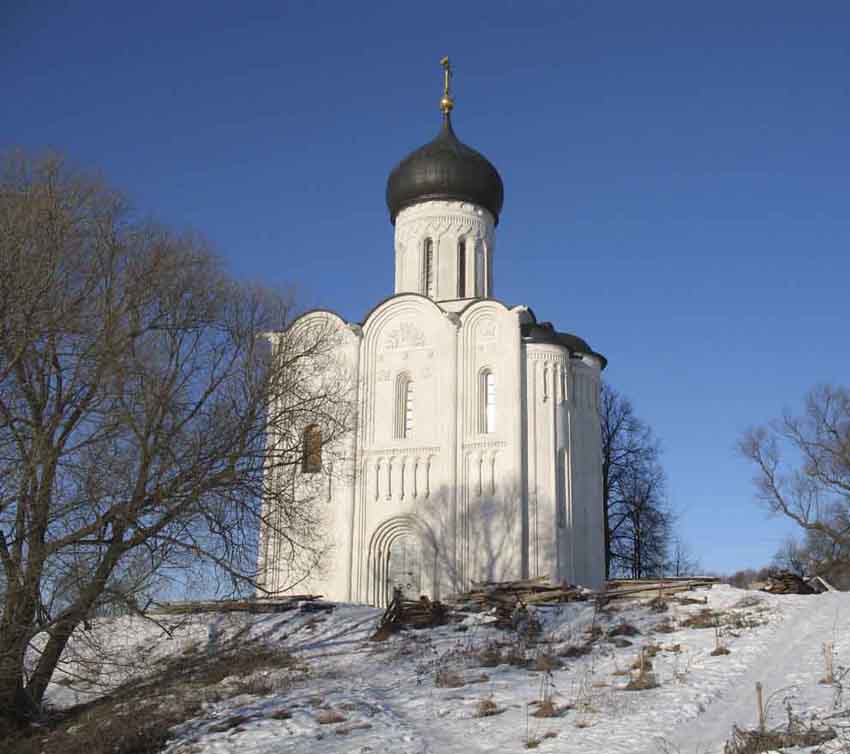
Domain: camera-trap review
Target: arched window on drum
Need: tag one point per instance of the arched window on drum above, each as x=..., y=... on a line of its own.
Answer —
x=461, y=268
x=428, y=268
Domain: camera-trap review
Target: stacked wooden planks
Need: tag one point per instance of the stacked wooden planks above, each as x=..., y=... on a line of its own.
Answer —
x=303, y=602
x=402, y=613
x=786, y=583
x=638, y=588
x=505, y=597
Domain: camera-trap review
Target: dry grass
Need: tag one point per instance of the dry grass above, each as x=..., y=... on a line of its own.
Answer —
x=827, y=649
x=137, y=717
x=692, y=600
x=487, y=708
x=658, y=605
x=758, y=742
x=344, y=730
x=107, y=727
x=490, y=657
x=548, y=708
x=705, y=618
x=532, y=742
x=448, y=679
x=624, y=629
x=664, y=627
x=576, y=650
x=644, y=679
x=545, y=662
x=642, y=682
x=329, y=716
x=749, y=600
x=516, y=656
x=642, y=663
x=228, y=724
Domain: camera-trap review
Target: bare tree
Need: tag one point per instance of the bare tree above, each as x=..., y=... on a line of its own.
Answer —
x=681, y=560
x=638, y=522
x=803, y=468
x=135, y=400
x=791, y=556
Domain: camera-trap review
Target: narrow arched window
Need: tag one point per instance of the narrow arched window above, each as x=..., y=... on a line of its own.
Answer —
x=487, y=402
x=461, y=268
x=428, y=267
x=479, y=272
x=403, y=406
x=311, y=461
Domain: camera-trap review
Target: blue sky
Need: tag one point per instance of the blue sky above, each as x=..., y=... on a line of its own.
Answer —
x=676, y=177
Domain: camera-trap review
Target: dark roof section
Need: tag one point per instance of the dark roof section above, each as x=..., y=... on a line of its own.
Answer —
x=445, y=169
x=545, y=332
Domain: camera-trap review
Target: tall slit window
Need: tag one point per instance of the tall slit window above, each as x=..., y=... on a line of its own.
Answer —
x=461, y=269
x=311, y=462
x=487, y=390
x=404, y=407
x=428, y=267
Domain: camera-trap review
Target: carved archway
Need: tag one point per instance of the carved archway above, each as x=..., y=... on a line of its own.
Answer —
x=402, y=552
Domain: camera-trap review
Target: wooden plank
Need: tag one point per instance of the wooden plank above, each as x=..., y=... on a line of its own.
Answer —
x=829, y=587
x=650, y=591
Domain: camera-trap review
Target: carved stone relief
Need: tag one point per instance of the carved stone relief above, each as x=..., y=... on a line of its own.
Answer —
x=405, y=336
x=487, y=329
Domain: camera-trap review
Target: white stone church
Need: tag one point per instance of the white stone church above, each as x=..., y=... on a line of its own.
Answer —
x=477, y=449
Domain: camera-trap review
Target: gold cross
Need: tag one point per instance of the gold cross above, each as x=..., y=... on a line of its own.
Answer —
x=446, y=103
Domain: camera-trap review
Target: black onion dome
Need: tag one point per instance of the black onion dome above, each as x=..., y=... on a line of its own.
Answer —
x=445, y=169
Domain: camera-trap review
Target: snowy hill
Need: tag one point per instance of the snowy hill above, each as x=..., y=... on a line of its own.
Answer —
x=312, y=682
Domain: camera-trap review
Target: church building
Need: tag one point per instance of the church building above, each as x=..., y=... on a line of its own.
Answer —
x=476, y=453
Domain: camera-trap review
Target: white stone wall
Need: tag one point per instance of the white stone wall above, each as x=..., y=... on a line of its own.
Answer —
x=399, y=476
x=331, y=490
x=563, y=466
x=489, y=479
x=585, y=473
x=544, y=366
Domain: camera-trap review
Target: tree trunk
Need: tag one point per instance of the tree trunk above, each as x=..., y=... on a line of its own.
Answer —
x=16, y=706
x=61, y=631
x=49, y=659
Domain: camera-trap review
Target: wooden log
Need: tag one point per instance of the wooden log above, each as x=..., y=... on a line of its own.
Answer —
x=677, y=580
x=651, y=590
x=511, y=584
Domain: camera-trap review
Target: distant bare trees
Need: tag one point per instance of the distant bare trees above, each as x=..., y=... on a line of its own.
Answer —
x=802, y=471
x=792, y=557
x=681, y=560
x=638, y=519
x=135, y=398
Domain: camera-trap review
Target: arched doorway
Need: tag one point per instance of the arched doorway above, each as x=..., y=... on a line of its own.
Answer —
x=404, y=567
x=402, y=554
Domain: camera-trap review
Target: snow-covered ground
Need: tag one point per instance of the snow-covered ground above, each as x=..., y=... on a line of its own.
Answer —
x=344, y=693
